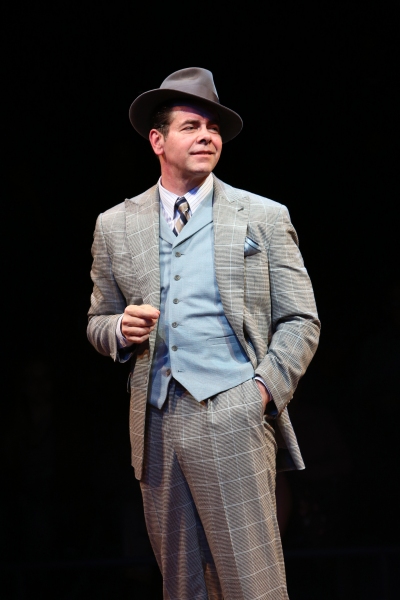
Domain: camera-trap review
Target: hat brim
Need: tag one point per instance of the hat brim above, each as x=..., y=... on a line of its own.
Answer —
x=143, y=108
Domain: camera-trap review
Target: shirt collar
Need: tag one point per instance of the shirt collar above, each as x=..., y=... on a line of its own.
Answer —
x=194, y=197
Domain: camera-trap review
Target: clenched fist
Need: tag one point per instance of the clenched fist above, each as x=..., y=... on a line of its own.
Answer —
x=138, y=322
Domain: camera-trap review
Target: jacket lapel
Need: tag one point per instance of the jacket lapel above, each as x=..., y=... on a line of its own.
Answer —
x=230, y=215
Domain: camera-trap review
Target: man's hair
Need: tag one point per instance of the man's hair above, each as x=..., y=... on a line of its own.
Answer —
x=161, y=119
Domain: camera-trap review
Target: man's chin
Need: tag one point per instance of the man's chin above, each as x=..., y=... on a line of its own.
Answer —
x=201, y=172
x=203, y=169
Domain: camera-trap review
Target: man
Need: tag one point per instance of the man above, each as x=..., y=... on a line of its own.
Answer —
x=203, y=287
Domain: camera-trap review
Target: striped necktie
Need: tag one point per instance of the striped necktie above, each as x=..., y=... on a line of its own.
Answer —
x=182, y=206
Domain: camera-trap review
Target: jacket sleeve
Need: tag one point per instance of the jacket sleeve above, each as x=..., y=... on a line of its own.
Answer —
x=107, y=301
x=295, y=323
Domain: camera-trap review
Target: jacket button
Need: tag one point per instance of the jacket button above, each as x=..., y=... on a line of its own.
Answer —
x=174, y=348
x=177, y=254
x=177, y=277
x=175, y=300
x=174, y=324
x=168, y=372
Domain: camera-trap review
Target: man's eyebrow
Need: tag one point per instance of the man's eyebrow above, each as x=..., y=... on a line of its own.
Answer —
x=194, y=121
x=190, y=121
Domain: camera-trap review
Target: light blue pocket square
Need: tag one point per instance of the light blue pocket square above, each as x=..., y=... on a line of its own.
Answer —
x=251, y=247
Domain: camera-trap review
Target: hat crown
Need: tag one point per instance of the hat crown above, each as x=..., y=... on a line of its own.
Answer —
x=195, y=81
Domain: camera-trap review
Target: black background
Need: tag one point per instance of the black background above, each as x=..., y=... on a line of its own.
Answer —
x=315, y=86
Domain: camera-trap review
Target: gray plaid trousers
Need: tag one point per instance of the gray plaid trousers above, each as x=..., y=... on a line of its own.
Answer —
x=208, y=492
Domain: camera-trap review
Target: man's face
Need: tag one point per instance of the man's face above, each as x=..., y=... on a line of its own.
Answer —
x=193, y=145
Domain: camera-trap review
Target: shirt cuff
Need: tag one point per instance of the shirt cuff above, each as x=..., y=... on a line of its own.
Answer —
x=258, y=378
x=271, y=410
x=122, y=342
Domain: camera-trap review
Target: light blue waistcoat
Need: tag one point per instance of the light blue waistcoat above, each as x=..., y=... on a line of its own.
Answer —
x=195, y=343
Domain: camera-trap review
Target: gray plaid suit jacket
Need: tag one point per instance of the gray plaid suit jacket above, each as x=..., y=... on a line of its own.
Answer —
x=266, y=294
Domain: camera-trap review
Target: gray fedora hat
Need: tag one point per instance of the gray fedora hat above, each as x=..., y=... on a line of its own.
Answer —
x=194, y=85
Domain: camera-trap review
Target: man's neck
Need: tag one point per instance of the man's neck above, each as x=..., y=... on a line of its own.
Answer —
x=181, y=186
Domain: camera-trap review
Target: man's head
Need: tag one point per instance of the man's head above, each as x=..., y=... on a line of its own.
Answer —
x=187, y=140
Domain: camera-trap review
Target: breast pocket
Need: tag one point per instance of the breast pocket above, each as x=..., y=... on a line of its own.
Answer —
x=254, y=258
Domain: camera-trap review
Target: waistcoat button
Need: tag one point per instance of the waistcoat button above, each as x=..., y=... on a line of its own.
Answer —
x=177, y=254
x=175, y=300
x=177, y=277
x=168, y=372
x=175, y=324
x=174, y=348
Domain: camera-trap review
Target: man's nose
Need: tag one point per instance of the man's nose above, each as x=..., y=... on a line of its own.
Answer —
x=204, y=135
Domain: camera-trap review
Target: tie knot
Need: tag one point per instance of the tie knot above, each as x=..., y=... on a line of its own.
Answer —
x=182, y=205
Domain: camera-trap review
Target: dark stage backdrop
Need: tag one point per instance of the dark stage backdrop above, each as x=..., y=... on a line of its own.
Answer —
x=315, y=85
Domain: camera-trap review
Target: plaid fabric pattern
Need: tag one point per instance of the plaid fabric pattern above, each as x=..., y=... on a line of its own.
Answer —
x=208, y=491
x=267, y=296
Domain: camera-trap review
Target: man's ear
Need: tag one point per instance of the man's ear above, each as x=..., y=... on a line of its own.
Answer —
x=157, y=141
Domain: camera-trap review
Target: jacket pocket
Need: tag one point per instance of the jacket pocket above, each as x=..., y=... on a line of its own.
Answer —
x=225, y=339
